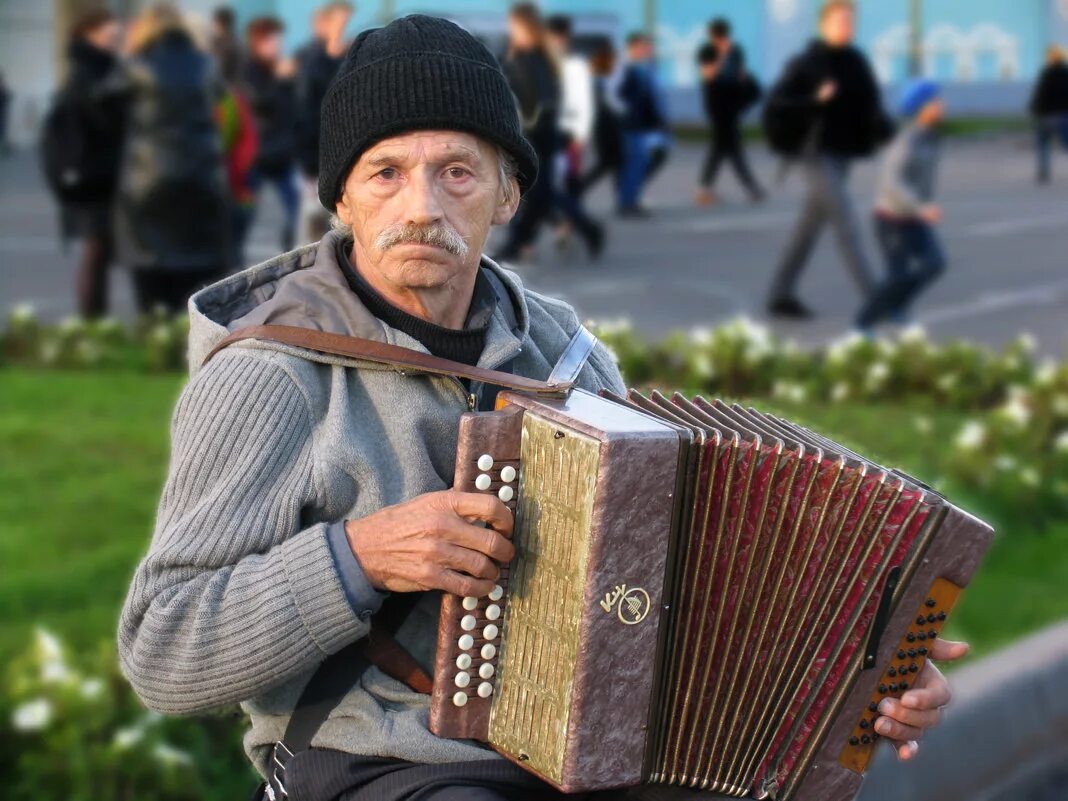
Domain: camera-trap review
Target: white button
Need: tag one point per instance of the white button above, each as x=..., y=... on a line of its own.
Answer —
x=463, y=661
x=485, y=690
x=459, y=699
x=490, y=632
x=468, y=622
x=485, y=462
x=506, y=493
x=489, y=650
x=496, y=593
x=463, y=679
x=470, y=602
x=483, y=482
x=507, y=474
x=486, y=671
x=466, y=641
x=493, y=612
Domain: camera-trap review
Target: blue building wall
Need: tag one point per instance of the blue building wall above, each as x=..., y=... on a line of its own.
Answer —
x=986, y=51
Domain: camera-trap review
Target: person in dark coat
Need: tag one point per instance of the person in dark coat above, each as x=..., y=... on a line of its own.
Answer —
x=5, y=108
x=270, y=85
x=535, y=83
x=644, y=124
x=721, y=61
x=832, y=85
x=225, y=46
x=317, y=63
x=607, y=119
x=173, y=207
x=93, y=65
x=1049, y=106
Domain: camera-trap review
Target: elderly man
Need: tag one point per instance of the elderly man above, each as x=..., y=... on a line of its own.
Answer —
x=305, y=488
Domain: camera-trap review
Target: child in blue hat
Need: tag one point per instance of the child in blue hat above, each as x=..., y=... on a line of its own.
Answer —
x=905, y=212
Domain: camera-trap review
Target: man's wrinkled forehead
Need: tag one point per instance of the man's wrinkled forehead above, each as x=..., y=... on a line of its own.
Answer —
x=427, y=146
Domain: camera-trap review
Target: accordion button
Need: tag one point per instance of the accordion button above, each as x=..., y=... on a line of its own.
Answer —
x=882, y=689
x=468, y=622
x=508, y=474
x=483, y=482
x=506, y=493
x=485, y=690
x=891, y=672
x=865, y=739
x=854, y=740
x=485, y=462
x=489, y=650
x=459, y=699
x=931, y=603
x=470, y=602
x=496, y=593
x=922, y=652
x=932, y=635
x=493, y=612
x=466, y=641
x=463, y=679
x=901, y=654
x=921, y=620
x=485, y=671
x=490, y=632
x=941, y=615
x=463, y=661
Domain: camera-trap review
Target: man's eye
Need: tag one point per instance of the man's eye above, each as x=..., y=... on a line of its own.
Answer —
x=457, y=172
x=388, y=174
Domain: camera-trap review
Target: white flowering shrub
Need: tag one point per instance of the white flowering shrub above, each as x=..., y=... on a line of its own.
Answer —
x=77, y=733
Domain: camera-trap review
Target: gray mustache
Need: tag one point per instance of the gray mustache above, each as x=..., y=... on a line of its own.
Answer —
x=438, y=235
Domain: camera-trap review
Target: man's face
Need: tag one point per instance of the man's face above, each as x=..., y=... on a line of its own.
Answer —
x=335, y=21
x=839, y=26
x=558, y=44
x=441, y=186
x=267, y=47
x=641, y=50
x=106, y=36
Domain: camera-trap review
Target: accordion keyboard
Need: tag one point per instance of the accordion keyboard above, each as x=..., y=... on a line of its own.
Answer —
x=469, y=637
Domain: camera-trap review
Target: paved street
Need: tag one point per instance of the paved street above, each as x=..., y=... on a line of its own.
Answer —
x=1007, y=242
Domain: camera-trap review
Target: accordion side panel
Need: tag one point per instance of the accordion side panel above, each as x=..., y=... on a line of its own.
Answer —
x=958, y=542
x=540, y=639
x=621, y=615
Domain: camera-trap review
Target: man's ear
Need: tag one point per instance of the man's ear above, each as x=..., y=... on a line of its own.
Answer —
x=506, y=206
x=344, y=211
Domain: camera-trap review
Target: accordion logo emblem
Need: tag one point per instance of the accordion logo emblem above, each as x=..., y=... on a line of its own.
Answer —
x=630, y=603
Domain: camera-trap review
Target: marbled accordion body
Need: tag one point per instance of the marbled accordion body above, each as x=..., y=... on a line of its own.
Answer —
x=702, y=595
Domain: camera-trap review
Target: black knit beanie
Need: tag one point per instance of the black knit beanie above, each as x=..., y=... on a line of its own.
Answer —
x=417, y=73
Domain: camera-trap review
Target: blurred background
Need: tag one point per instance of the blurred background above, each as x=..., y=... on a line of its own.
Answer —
x=148, y=150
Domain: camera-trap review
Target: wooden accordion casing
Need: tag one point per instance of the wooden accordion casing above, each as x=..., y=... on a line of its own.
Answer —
x=702, y=595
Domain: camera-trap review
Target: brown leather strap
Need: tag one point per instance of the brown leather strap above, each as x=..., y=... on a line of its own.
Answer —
x=389, y=656
x=384, y=353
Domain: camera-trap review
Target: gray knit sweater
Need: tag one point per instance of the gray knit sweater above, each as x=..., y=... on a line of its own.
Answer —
x=240, y=596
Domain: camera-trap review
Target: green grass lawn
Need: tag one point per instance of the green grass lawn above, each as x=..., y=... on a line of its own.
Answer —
x=83, y=456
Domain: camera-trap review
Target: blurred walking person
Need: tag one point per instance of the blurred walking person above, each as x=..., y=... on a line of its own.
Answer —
x=173, y=206
x=270, y=81
x=826, y=110
x=5, y=109
x=317, y=64
x=535, y=83
x=1049, y=106
x=905, y=211
x=645, y=122
x=225, y=46
x=81, y=148
x=728, y=90
x=607, y=119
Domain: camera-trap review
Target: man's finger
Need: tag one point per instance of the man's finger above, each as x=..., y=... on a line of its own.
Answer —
x=895, y=730
x=917, y=718
x=906, y=750
x=462, y=584
x=948, y=650
x=479, y=506
x=464, y=560
x=486, y=541
x=932, y=695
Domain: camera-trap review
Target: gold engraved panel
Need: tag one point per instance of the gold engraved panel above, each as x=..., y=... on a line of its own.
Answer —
x=540, y=635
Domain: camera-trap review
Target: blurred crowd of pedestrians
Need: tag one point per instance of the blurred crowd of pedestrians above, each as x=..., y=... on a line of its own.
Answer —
x=163, y=138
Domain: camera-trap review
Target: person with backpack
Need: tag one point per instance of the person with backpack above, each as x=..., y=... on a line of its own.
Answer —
x=728, y=90
x=1049, y=106
x=81, y=148
x=825, y=112
x=173, y=214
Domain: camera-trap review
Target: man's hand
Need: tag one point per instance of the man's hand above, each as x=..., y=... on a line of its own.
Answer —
x=904, y=721
x=826, y=92
x=931, y=214
x=432, y=543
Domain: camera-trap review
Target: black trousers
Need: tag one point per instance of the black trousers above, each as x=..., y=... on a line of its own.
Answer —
x=726, y=144
x=325, y=775
x=169, y=289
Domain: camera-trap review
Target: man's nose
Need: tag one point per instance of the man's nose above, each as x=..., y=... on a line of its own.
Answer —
x=422, y=203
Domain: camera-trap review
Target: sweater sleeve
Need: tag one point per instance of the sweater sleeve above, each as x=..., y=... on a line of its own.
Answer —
x=235, y=596
x=895, y=192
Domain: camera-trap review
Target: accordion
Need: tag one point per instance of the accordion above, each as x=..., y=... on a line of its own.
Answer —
x=702, y=595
